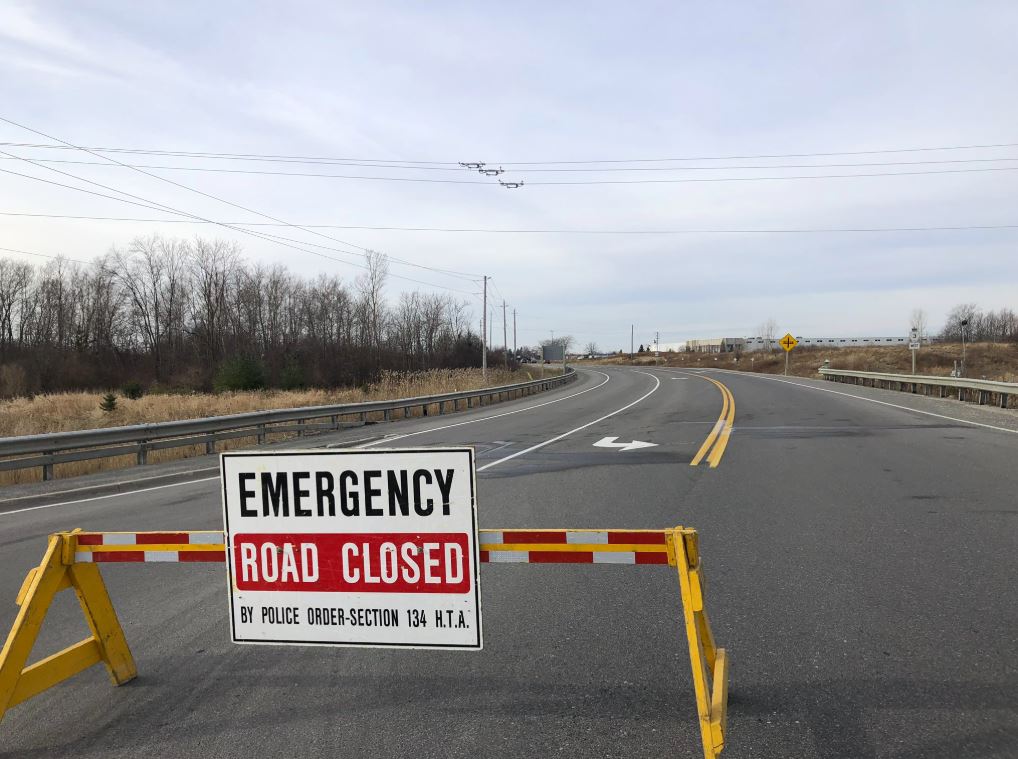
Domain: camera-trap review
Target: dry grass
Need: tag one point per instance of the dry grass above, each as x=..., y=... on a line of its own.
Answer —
x=992, y=361
x=64, y=412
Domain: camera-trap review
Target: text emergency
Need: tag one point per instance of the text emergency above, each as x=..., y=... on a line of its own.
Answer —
x=371, y=493
x=357, y=562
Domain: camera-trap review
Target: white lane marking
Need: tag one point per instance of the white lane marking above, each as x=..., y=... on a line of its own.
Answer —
x=209, y=479
x=680, y=378
x=609, y=442
x=873, y=400
x=485, y=418
x=657, y=384
x=108, y=495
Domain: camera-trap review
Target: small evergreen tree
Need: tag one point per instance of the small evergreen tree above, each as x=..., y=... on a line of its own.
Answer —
x=109, y=403
x=641, y=348
x=292, y=377
x=240, y=374
x=132, y=390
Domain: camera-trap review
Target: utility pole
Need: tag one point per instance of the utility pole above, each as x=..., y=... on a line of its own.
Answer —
x=505, y=337
x=657, y=347
x=484, y=334
x=632, y=333
x=514, y=334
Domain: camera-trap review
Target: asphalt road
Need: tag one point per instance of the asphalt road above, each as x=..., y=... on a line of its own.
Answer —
x=861, y=562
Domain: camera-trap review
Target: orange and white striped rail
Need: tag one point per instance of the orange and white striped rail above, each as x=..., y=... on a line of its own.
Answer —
x=496, y=547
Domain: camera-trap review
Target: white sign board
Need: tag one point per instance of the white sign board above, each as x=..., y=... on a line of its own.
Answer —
x=353, y=548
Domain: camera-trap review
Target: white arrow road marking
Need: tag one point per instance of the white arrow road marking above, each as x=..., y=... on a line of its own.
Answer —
x=609, y=442
x=525, y=451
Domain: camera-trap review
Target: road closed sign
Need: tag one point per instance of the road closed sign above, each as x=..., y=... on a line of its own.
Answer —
x=353, y=548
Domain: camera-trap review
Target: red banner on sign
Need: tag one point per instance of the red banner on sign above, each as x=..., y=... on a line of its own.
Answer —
x=353, y=563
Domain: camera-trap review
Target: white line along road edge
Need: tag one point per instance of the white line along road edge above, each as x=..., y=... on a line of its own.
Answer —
x=393, y=438
x=870, y=400
x=657, y=384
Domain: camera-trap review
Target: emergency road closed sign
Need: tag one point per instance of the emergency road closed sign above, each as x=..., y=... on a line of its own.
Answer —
x=353, y=548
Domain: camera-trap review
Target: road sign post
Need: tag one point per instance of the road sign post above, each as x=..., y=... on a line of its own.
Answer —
x=788, y=342
x=914, y=342
x=353, y=548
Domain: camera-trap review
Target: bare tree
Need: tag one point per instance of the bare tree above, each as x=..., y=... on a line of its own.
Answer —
x=370, y=286
x=768, y=331
x=591, y=349
x=213, y=263
x=918, y=322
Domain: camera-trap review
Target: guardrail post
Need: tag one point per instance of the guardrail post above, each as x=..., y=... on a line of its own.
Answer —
x=1003, y=400
x=364, y=419
x=982, y=397
x=300, y=428
x=387, y=415
x=441, y=408
x=261, y=434
x=210, y=445
x=47, y=469
x=142, y=453
x=406, y=412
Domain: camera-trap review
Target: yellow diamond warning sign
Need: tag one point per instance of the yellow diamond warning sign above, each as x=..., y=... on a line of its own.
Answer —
x=788, y=342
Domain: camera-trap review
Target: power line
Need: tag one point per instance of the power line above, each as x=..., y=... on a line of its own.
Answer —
x=325, y=159
x=43, y=255
x=776, y=178
x=259, y=235
x=192, y=189
x=360, y=177
x=496, y=230
x=221, y=170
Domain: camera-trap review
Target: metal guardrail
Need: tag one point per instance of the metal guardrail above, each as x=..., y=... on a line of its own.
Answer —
x=976, y=391
x=80, y=445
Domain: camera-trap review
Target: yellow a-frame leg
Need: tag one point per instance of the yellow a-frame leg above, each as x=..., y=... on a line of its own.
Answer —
x=711, y=689
x=107, y=644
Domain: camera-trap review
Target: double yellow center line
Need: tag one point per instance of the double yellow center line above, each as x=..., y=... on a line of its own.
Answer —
x=717, y=440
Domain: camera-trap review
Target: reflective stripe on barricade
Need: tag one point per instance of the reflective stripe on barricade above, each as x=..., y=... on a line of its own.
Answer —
x=149, y=546
x=496, y=547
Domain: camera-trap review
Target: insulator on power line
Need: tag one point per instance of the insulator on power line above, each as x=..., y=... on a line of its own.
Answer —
x=492, y=172
x=472, y=164
x=510, y=185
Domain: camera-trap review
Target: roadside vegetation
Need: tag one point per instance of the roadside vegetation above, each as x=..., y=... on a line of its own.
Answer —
x=992, y=361
x=63, y=412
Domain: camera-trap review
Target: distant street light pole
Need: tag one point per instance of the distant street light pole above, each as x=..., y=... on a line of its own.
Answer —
x=632, y=333
x=505, y=337
x=515, y=349
x=484, y=333
x=964, y=324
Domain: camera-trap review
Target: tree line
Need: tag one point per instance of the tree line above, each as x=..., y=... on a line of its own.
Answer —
x=193, y=314
x=980, y=326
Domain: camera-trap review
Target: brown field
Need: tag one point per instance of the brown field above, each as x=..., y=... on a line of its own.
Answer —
x=992, y=361
x=63, y=412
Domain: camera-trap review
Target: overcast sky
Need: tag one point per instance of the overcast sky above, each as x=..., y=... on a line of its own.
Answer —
x=552, y=82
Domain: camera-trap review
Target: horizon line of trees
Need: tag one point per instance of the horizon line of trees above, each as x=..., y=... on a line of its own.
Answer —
x=193, y=314
x=999, y=326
